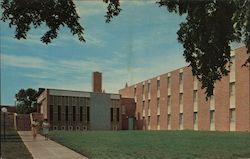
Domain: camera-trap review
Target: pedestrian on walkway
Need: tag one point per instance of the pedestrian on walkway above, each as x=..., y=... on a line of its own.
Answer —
x=34, y=128
x=45, y=126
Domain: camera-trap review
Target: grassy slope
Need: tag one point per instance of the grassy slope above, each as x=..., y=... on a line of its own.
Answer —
x=156, y=144
x=12, y=147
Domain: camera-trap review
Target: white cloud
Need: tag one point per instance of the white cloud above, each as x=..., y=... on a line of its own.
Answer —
x=23, y=61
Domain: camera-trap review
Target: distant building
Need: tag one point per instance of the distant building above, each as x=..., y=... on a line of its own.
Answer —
x=174, y=100
x=80, y=110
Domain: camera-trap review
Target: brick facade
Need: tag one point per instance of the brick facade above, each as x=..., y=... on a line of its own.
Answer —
x=176, y=97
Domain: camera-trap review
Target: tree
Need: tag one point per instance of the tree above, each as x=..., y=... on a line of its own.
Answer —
x=26, y=101
x=23, y=14
x=210, y=27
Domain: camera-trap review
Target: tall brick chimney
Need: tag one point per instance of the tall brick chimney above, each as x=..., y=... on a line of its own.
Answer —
x=97, y=82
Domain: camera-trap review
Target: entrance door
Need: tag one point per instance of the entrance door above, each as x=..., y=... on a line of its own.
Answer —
x=130, y=123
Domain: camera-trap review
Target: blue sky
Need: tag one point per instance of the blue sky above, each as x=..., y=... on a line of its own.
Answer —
x=138, y=44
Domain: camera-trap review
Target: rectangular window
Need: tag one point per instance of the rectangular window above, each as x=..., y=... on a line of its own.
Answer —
x=232, y=115
x=232, y=89
x=181, y=78
x=81, y=113
x=123, y=109
x=181, y=119
x=135, y=91
x=117, y=114
x=195, y=117
x=88, y=114
x=158, y=102
x=212, y=116
x=195, y=96
x=67, y=113
x=111, y=114
x=148, y=87
x=158, y=84
x=143, y=105
x=51, y=111
x=169, y=119
x=59, y=112
x=169, y=101
x=74, y=113
x=143, y=89
x=169, y=82
x=181, y=99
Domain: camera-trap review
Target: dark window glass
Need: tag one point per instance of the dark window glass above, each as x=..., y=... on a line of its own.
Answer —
x=117, y=114
x=80, y=113
x=51, y=111
x=88, y=115
x=67, y=113
x=59, y=113
x=74, y=113
x=111, y=114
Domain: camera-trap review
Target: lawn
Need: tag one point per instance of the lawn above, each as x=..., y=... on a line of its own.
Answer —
x=156, y=144
x=12, y=146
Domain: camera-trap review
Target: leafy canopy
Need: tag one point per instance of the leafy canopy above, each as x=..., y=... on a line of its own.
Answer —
x=26, y=101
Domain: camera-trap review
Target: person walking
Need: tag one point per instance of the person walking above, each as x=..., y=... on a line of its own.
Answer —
x=45, y=126
x=34, y=128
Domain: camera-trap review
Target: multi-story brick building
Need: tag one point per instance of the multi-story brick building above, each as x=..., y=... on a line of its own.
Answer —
x=79, y=110
x=174, y=100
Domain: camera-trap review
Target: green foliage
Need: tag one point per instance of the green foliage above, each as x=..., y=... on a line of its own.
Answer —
x=210, y=26
x=113, y=9
x=155, y=144
x=26, y=101
x=23, y=14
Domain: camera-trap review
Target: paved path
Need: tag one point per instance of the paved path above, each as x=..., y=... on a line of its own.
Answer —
x=41, y=149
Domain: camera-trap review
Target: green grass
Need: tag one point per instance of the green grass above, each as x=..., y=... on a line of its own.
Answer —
x=12, y=146
x=156, y=144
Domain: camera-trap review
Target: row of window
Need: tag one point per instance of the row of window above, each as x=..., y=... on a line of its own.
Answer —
x=81, y=113
x=68, y=100
x=59, y=113
x=232, y=117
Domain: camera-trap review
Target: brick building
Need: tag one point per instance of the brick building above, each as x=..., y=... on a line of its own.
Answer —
x=174, y=100
x=80, y=110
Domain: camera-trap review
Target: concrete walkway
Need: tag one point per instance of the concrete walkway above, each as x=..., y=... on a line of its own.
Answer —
x=41, y=149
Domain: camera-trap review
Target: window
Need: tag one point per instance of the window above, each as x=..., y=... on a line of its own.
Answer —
x=143, y=105
x=181, y=119
x=195, y=117
x=81, y=113
x=123, y=109
x=87, y=101
x=195, y=96
x=169, y=101
x=212, y=116
x=111, y=114
x=169, y=119
x=158, y=102
x=51, y=111
x=169, y=82
x=59, y=112
x=181, y=78
x=148, y=87
x=67, y=113
x=232, y=115
x=135, y=91
x=117, y=114
x=74, y=113
x=88, y=113
x=232, y=89
x=158, y=84
x=181, y=99
x=143, y=89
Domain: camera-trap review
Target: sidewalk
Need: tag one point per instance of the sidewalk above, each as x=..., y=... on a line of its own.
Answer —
x=41, y=149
